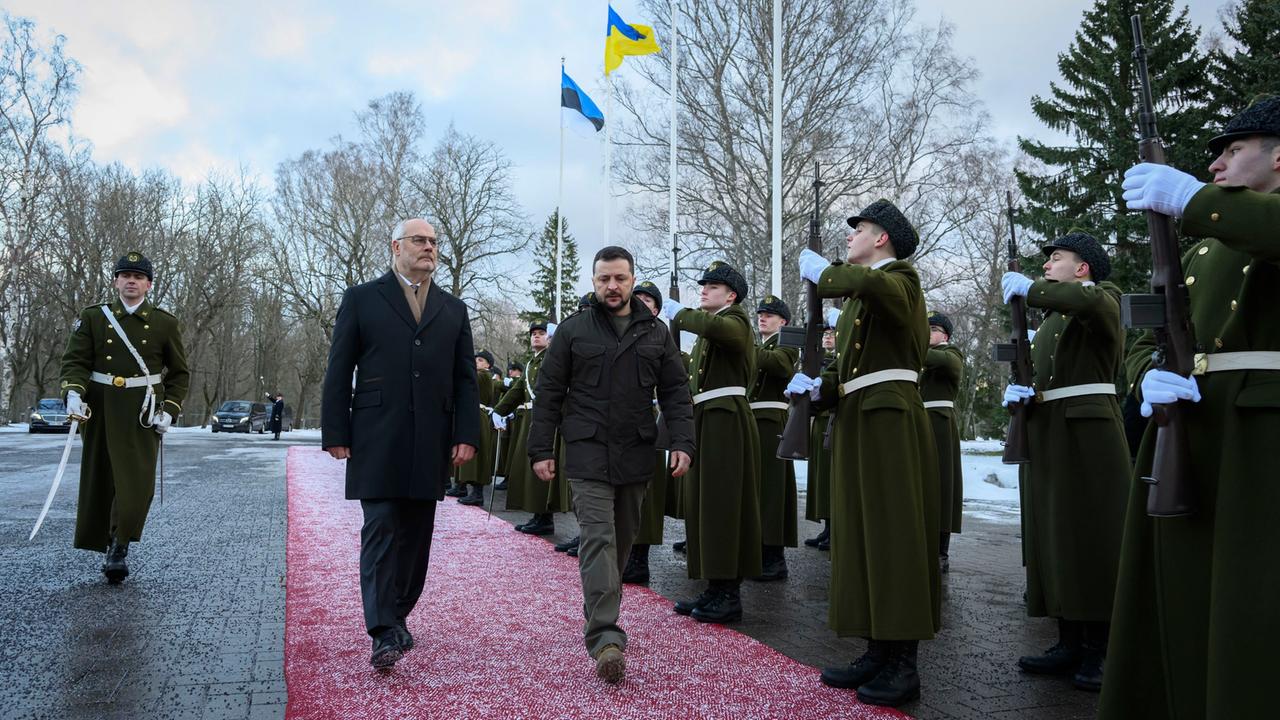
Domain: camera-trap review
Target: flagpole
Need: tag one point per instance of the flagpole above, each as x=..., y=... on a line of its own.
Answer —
x=559, y=209
x=608, y=154
x=776, y=193
x=671, y=172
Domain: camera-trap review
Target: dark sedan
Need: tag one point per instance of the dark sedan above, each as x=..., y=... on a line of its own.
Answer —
x=49, y=415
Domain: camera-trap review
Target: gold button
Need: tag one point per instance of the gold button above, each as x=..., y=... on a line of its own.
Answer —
x=855, y=371
x=1203, y=250
x=1234, y=304
x=1055, y=335
x=1217, y=342
x=1033, y=346
x=857, y=346
x=146, y=327
x=1191, y=280
x=108, y=341
x=1214, y=217
x=857, y=321
x=1245, y=270
x=108, y=357
x=701, y=370
x=837, y=356
x=144, y=342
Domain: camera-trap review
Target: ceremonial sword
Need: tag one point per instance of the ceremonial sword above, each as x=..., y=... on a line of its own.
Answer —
x=62, y=467
x=493, y=482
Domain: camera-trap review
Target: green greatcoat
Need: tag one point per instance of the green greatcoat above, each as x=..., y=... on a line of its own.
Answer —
x=1073, y=490
x=673, y=503
x=118, y=467
x=884, y=489
x=520, y=477
x=721, y=500
x=1195, y=627
x=940, y=382
x=480, y=470
x=817, y=503
x=504, y=452
x=774, y=368
x=651, y=510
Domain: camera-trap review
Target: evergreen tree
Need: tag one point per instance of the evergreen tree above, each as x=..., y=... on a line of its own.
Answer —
x=1249, y=67
x=1096, y=106
x=542, y=290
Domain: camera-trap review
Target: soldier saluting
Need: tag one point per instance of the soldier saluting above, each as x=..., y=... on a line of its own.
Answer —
x=124, y=360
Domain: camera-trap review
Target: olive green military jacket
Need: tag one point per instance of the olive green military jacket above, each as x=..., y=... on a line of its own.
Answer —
x=480, y=470
x=524, y=489
x=720, y=492
x=778, y=496
x=1073, y=490
x=1194, y=630
x=774, y=368
x=940, y=381
x=884, y=486
x=118, y=467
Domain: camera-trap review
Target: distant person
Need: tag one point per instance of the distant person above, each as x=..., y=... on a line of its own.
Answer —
x=413, y=412
x=125, y=361
x=277, y=415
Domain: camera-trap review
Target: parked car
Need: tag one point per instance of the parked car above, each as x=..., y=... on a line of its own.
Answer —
x=49, y=415
x=241, y=416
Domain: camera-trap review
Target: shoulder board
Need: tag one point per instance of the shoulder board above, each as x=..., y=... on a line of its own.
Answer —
x=162, y=311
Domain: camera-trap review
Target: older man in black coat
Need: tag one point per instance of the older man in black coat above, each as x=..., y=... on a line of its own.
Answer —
x=412, y=413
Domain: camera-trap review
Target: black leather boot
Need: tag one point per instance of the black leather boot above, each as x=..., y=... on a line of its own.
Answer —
x=774, y=566
x=725, y=607
x=815, y=541
x=568, y=544
x=897, y=682
x=501, y=484
x=474, y=497
x=944, y=552
x=859, y=671
x=679, y=546
x=637, y=570
x=456, y=490
x=1093, y=648
x=1061, y=659
x=686, y=607
x=115, y=568
x=542, y=524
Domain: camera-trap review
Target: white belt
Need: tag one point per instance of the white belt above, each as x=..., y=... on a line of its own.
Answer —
x=730, y=391
x=526, y=406
x=876, y=378
x=770, y=405
x=124, y=382
x=1071, y=391
x=929, y=404
x=1247, y=360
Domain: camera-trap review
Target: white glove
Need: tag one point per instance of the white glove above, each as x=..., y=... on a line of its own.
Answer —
x=1031, y=335
x=1161, y=387
x=801, y=383
x=1014, y=284
x=506, y=382
x=499, y=422
x=551, y=329
x=1148, y=186
x=162, y=422
x=811, y=265
x=832, y=316
x=75, y=406
x=1016, y=394
x=670, y=308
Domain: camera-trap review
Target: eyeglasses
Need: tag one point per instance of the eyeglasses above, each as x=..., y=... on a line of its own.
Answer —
x=419, y=241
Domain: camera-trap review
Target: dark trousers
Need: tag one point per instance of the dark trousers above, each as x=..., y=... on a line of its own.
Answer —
x=609, y=519
x=395, y=546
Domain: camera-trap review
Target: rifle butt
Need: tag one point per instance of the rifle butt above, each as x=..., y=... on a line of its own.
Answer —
x=1017, y=449
x=1170, y=492
x=793, y=444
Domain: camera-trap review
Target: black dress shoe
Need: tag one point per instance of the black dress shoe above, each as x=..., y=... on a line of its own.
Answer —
x=1061, y=659
x=860, y=671
x=573, y=551
x=897, y=682
x=532, y=520
x=679, y=546
x=825, y=545
x=1089, y=676
x=567, y=544
x=637, y=570
x=686, y=607
x=815, y=541
x=115, y=568
x=403, y=638
x=775, y=567
x=541, y=525
x=501, y=485
x=456, y=491
x=474, y=497
x=386, y=650
x=725, y=607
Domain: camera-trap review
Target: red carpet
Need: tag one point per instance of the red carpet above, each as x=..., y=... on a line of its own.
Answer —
x=499, y=633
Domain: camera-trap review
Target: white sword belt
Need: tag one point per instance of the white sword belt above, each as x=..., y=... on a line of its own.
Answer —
x=1071, y=391
x=931, y=404
x=1227, y=361
x=123, y=382
x=770, y=405
x=526, y=406
x=730, y=391
x=875, y=378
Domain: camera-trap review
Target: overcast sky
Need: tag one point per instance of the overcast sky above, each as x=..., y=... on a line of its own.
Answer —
x=193, y=86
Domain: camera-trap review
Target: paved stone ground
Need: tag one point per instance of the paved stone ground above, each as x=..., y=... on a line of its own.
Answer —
x=198, y=630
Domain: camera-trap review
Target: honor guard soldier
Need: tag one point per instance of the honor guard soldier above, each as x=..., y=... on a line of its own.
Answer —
x=884, y=487
x=1194, y=632
x=126, y=362
x=655, y=497
x=1074, y=488
x=817, y=503
x=774, y=367
x=478, y=473
x=514, y=371
x=524, y=491
x=721, y=505
x=939, y=385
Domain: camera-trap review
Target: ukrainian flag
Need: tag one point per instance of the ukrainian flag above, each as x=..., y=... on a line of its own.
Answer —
x=623, y=39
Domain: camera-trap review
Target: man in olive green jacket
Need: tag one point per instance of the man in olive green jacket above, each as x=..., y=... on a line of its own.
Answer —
x=475, y=475
x=1195, y=631
x=1073, y=490
x=132, y=408
x=774, y=367
x=884, y=485
x=939, y=385
x=817, y=500
x=721, y=500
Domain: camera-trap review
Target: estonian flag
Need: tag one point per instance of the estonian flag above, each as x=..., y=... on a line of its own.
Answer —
x=622, y=39
x=572, y=97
